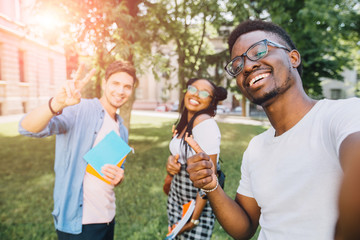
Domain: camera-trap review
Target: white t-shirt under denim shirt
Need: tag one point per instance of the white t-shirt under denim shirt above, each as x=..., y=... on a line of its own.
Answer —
x=99, y=197
x=295, y=177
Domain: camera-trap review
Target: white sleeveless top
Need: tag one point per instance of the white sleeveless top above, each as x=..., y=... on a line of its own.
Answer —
x=206, y=134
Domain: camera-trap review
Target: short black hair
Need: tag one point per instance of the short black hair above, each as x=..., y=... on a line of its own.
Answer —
x=260, y=25
x=121, y=66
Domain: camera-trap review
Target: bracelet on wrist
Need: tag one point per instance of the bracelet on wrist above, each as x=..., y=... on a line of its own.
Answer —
x=211, y=190
x=195, y=221
x=52, y=111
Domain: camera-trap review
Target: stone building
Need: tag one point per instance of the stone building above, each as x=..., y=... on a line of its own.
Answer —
x=30, y=70
x=335, y=89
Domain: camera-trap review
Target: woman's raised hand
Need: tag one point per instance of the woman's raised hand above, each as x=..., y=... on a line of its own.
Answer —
x=174, y=131
x=173, y=166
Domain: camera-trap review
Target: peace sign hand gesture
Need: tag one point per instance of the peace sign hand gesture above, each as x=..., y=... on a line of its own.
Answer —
x=69, y=94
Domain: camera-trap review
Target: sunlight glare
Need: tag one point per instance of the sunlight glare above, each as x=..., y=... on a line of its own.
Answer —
x=48, y=20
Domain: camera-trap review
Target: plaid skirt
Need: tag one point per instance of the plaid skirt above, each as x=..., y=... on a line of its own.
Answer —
x=181, y=192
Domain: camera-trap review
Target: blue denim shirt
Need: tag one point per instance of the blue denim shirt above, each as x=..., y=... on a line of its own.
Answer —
x=76, y=129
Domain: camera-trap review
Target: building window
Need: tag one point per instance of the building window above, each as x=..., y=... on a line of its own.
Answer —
x=18, y=14
x=139, y=93
x=335, y=93
x=51, y=67
x=24, y=106
x=1, y=62
x=22, y=65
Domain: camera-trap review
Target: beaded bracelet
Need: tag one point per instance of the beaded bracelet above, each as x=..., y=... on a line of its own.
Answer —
x=52, y=111
x=211, y=190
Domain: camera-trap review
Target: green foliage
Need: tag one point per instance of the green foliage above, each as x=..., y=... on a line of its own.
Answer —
x=27, y=180
x=103, y=31
x=150, y=33
x=189, y=26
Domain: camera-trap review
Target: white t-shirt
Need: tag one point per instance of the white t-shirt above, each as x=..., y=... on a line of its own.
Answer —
x=295, y=177
x=206, y=134
x=99, y=197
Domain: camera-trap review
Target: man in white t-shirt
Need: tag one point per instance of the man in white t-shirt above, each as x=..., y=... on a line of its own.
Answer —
x=292, y=174
x=84, y=205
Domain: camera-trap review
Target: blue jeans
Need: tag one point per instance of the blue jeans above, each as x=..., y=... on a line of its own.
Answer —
x=102, y=231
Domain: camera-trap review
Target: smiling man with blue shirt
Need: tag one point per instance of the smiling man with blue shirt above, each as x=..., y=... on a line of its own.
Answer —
x=84, y=205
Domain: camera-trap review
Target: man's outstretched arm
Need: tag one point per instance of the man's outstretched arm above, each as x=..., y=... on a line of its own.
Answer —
x=239, y=217
x=67, y=95
x=349, y=200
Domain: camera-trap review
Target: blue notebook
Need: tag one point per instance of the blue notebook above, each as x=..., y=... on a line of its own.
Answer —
x=110, y=150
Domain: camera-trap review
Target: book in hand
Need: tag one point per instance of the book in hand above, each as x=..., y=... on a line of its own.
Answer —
x=110, y=150
x=187, y=212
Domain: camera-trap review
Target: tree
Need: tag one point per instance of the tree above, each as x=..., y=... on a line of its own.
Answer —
x=106, y=30
x=120, y=30
x=188, y=26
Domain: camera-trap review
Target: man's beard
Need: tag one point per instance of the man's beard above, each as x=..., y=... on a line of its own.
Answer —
x=266, y=97
x=273, y=93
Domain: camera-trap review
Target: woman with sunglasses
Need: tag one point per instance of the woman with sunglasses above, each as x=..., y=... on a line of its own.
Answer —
x=196, y=119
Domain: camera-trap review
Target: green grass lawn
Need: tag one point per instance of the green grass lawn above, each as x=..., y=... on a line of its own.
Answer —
x=27, y=178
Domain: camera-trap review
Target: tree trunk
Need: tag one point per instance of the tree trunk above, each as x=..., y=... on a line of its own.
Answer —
x=181, y=73
x=125, y=110
x=243, y=106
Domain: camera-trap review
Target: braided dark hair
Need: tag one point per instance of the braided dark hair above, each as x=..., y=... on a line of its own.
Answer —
x=219, y=94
